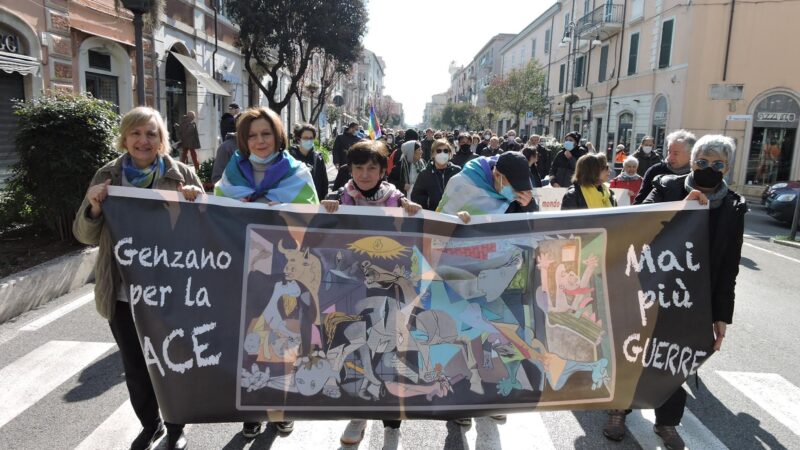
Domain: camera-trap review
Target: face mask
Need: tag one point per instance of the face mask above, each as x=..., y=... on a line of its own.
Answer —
x=307, y=144
x=508, y=193
x=259, y=160
x=487, y=136
x=707, y=178
x=464, y=148
x=647, y=149
x=441, y=158
x=569, y=145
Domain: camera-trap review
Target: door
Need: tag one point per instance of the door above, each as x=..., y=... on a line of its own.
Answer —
x=625, y=130
x=12, y=86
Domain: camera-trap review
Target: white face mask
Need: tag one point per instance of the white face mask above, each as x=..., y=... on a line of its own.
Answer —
x=441, y=158
x=487, y=136
x=647, y=149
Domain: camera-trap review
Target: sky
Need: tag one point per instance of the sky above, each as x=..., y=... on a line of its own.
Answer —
x=418, y=38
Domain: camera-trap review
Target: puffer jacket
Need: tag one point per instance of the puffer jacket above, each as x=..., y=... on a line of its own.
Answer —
x=94, y=231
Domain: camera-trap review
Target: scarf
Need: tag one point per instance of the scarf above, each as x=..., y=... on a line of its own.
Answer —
x=680, y=170
x=625, y=177
x=385, y=194
x=286, y=180
x=596, y=197
x=715, y=198
x=142, y=178
x=472, y=190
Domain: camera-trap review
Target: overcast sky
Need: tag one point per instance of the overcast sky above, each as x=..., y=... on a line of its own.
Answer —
x=418, y=38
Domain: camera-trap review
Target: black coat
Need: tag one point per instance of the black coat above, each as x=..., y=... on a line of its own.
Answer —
x=227, y=124
x=563, y=168
x=430, y=184
x=342, y=177
x=726, y=236
x=426, y=149
x=647, y=183
x=316, y=164
x=343, y=143
x=510, y=146
x=574, y=199
x=543, y=163
x=646, y=161
x=487, y=151
x=536, y=179
x=461, y=158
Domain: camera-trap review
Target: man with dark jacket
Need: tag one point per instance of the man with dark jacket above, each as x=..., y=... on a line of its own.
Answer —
x=511, y=145
x=426, y=145
x=343, y=143
x=493, y=149
x=430, y=184
x=679, y=148
x=464, y=152
x=303, y=150
x=563, y=166
x=543, y=163
x=647, y=155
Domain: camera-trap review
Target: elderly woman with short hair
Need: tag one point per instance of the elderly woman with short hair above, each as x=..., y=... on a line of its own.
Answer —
x=628, y=179
x=144, y=164
x=710, y=161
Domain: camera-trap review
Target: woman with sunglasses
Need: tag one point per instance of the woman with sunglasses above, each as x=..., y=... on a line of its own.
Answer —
x=432, y=180
x=589, y=189
x=710, y=160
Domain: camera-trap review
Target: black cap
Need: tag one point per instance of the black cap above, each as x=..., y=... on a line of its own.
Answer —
x=514, y=165
x=233, y=105
x=352, y=124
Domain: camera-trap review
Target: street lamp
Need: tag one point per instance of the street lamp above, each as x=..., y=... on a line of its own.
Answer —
x=138, y=8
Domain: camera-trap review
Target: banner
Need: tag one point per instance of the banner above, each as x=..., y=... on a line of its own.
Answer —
x=549, y=198
x=247, y=312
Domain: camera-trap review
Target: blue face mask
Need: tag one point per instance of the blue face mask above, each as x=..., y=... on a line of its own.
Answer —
x=307, y=144
x=508, y=193
x=259, y=160
x=569, y=145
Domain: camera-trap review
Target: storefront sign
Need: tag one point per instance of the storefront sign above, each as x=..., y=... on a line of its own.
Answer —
x=9, y=43
x=777, y=117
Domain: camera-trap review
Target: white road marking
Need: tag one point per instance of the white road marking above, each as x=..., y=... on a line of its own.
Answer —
x=115, y=433
x=772, y=393
x=33, y=376
x=694, y=433
x=518, y=428
x=309, y=434
x=58, y=313
x=772, y=253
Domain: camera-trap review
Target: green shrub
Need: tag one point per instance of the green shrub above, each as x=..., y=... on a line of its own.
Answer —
x=62, y=140
x=206, y=167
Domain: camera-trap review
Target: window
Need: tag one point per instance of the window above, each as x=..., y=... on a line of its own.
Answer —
x=533, y=48
x=522, y=56
x=547, y=42
x=666, y=44
x=637, y=9
x=513, y=60
x=579, y=71
x=561, y=78
x=633, y=53
x=103, y=87
x=586, y=6
x=99, y=60
x=566, y=24
x=601, y=75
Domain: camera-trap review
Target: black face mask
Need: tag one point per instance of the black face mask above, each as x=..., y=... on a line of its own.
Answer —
x=707, y=178
x=465, y=148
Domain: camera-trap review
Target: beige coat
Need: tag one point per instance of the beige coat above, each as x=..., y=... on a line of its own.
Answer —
x=94, y=232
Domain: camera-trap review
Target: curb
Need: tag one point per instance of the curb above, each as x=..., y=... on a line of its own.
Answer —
x=785, y=242
x=31, y=288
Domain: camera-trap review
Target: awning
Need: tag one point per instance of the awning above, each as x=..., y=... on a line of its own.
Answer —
x=202, y=76
x=25, y=65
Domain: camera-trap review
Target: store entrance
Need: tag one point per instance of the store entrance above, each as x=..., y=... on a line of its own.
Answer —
x=771, y=153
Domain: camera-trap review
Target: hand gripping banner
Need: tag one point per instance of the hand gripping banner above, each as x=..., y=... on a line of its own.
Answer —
x=247, y=312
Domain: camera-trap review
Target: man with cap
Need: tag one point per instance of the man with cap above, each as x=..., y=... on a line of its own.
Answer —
x=490, y=185
x=343, y=143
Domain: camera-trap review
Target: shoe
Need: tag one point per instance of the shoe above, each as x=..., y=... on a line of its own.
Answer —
x=251, y=429
x=464, y=422
x=391, y=438
x=177, y=441
x=147, y=436
x=499, y=418
x=284, y=428
x=668, y=434
x=353, y=432
x=614, y=429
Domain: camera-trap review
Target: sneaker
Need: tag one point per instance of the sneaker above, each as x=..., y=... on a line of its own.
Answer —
x=353, y=432
x=499, y=418
x=614, y=429
x=668, y=434
x=251, y=429
x=147, y=436
x=464, y=422
x=391, y=439
x=284, y=428
x=176, y=441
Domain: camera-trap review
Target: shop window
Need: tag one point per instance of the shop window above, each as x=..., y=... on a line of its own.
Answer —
x=775, y=123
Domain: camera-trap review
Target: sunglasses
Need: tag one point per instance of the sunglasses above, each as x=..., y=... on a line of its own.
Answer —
x=717, y=166
x=443, y=150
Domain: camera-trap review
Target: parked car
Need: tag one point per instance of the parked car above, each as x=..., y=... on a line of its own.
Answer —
x=780, y=201
x=783, y=184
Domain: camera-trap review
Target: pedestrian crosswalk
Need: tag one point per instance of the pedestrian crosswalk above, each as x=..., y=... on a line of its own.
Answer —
x=36, y=375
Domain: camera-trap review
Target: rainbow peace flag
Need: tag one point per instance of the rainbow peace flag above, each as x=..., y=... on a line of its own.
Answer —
x=374, y=125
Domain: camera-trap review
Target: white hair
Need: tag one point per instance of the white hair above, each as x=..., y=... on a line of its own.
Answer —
x=630, y=161
x=714, y=143
x=683, y=136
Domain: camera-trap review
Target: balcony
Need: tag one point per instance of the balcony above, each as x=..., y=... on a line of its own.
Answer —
x=603, y=22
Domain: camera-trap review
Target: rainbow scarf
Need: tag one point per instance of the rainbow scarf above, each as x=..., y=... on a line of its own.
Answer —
x=472, y=190
x=142, y=178
x=286, y=180
x=374, y=125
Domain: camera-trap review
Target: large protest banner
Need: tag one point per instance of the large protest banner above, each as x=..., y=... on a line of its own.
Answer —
x=248, y=312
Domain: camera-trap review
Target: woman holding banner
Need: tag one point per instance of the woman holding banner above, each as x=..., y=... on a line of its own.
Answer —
x=710, y=160
x=589, y=188
x=263, y=171
x=145, y=164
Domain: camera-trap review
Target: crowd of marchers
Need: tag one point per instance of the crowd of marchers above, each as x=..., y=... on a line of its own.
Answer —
x=457, y=173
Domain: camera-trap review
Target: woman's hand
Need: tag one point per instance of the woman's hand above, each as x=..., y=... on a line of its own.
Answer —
x=697, y=195
x=190, y=193
x=96, y=195
x=524, y=197
x=410, y=207
x=330, y=205
x=464, y=216
x=554, y=184
x=719, y=334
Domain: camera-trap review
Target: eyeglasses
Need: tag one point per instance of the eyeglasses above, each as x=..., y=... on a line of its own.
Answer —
x=717, y=166
x=442, y=150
